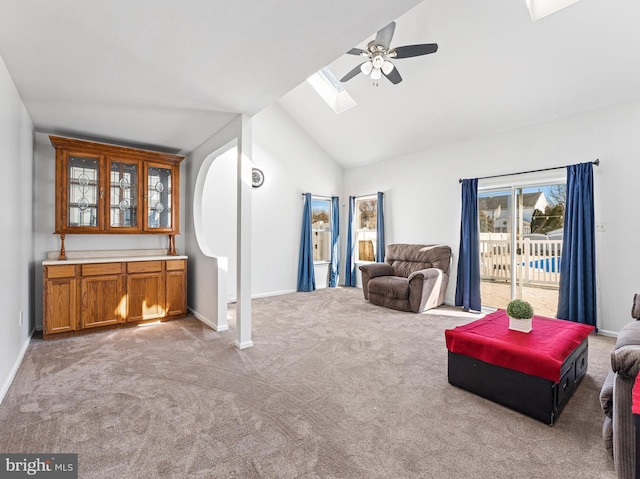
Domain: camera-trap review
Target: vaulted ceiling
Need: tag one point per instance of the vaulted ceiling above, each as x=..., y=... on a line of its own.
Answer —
x=168, y=75
x=494, y=70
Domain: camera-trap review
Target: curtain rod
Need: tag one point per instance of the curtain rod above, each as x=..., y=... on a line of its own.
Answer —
x=365, y=196
x=596, y=162
x=319, y=196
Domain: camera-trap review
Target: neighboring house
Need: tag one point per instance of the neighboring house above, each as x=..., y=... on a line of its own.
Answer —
x=497, y=208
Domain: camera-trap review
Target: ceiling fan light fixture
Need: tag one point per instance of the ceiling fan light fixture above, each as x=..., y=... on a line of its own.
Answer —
x=379, y=52
x=387, y=67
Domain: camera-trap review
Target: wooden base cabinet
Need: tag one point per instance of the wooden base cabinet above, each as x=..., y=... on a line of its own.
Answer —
x=176, y=281
x=102, y=295
x=145, y=288
x=60, y=299
x=89, y=297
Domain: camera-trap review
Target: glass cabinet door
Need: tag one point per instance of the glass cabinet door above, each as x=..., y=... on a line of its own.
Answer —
x=83, y=177
x=123, y=194
x=159, y=200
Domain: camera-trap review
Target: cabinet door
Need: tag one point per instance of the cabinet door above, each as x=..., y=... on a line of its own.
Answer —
x=145, y=296
x=103, y=301
x=81, y=192
x=160, y=211
x=176, y=282
x=60, y=305
x=124, y=199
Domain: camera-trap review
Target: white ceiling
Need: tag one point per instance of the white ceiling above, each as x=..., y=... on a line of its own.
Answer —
x=168, y=74
x=494, y=70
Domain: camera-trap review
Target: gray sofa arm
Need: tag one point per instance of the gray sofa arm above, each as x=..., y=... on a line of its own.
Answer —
x=606, y=394
x=635, y=308
x=372, y=270
x=626, y=361
x=427, y=288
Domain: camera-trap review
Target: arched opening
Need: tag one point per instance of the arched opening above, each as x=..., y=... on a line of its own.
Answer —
x=215, y=213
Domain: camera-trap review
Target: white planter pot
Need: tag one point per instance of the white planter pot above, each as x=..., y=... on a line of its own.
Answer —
x=522, y=325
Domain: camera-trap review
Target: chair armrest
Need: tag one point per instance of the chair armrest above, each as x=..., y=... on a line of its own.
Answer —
x=377, y=269
x=373, y=270
x=427, y=288
x=626, y=361
x=426, y=273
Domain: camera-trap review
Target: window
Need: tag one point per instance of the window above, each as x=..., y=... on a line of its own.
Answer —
x=541, y=8
x=321, y=229
x=366, y=222
x=331, y=91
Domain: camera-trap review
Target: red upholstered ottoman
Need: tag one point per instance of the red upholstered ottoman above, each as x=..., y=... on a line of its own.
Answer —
x=533, y=373
x=635, y=409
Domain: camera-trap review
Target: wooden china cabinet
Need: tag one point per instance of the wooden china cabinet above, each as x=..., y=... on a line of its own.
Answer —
x=106, y=189
x=109, y=189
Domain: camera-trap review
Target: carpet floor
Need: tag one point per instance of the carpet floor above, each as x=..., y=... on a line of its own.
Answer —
x=334, y=387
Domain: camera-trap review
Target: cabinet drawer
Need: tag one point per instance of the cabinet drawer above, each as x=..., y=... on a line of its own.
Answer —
x=65, y=271
x=581, y=364
x=176, y=265
x=144, y=266
x=101, y=268
x=565, y=386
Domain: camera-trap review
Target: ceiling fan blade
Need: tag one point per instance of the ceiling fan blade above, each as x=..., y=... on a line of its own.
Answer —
x=415, y=50
x=352, y=73
x=357, y=51
x=393, y=76
x=384, y=36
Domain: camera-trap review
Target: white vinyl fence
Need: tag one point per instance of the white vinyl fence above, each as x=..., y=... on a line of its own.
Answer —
x=539, y=260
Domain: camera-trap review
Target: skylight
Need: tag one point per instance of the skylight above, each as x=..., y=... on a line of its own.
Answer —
x=541, y=8
x=331, y=90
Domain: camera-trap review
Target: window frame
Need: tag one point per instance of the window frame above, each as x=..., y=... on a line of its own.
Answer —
x=315, y=231
x=367, y=232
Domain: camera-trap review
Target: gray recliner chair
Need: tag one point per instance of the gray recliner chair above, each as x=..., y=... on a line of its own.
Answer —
x=618, y=429
x=414, y=277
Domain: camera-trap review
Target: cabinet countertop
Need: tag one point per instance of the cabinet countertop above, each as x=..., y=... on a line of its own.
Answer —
x=111, y=259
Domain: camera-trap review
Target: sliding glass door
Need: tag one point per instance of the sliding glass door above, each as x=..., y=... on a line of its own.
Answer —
x=520, y=245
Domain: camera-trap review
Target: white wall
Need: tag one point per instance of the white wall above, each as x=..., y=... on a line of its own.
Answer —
x=292, y=164
x=44, y=221
x=16, y=218
x=204, y=270
x=220, y=213
x=422, y=192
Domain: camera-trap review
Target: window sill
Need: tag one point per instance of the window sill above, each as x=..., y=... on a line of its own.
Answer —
x=321, y=262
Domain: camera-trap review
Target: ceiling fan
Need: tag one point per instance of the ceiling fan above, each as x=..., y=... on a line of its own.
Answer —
x=379, y=52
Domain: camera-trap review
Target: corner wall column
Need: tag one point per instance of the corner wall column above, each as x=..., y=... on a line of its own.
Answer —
x=243, y=281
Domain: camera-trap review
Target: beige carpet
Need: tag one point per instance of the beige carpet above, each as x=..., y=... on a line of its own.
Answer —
x=333, y=388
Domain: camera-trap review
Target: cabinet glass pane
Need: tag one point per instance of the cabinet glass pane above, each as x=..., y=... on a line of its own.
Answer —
x=159, y=197
x=124, y=194
x=83, y=191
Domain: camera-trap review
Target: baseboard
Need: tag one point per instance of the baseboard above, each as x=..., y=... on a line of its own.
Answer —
x=264, y=295
x=14, y=369
x=610, y=334
x=244, y=345
x=208, y=322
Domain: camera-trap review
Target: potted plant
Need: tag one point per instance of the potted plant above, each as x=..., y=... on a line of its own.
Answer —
x=520, y=313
